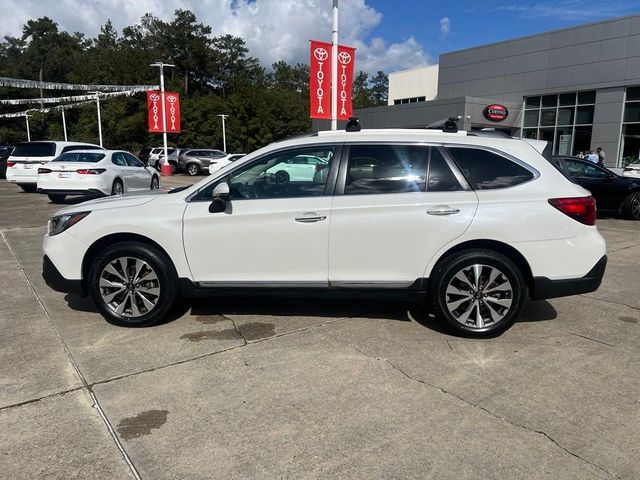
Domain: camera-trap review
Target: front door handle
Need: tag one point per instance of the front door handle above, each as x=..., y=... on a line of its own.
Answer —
x=442, y=210
x=310, y=217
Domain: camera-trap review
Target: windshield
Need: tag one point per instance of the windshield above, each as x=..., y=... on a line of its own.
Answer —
x=35, y=149
x=85, y=157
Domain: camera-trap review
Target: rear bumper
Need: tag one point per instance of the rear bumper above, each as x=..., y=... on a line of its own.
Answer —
x=91, y=191
x=54, y=279
x=546, y=288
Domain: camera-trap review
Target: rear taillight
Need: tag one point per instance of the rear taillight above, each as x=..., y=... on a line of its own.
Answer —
x=44, y=170
x=10, y=164
x=582, y=209
x=91, y=171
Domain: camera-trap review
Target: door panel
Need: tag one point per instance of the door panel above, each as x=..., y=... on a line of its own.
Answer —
x=259, y=241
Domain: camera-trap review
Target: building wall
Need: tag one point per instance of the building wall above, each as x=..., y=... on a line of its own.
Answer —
x=595, y=56
x=414, y=83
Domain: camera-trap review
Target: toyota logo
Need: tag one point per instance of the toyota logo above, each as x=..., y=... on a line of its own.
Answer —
x=172, y=98
x=154, y=97
x=320, y=54
x=344, y=58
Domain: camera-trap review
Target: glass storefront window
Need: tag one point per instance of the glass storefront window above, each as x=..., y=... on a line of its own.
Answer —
x=547, y=134
x=567, y=99
x=530, y=133
x=565, y=116
x=550, y=101
x=632, y=112
x=582, y=140
x=584, y=115
x=630, y=145
x=633, y=93
x=532, y=102
x=586, y=97
x=548, y=117
x=564, y=140
x=531, y=118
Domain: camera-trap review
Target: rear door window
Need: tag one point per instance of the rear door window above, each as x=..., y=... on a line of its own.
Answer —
x=376, y=169
x=485, y=170
x=118, y=159
x=132, y=161
x=441, y=178
x=34, y=149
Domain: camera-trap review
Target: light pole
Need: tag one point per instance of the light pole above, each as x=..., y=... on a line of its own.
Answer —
x=224, y=136
x=334, y=66
x=64, y=126
x=164, y=118
x=99, y=119
x=26, y=117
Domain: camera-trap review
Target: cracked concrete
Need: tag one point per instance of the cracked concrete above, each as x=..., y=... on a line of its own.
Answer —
x=302, y=388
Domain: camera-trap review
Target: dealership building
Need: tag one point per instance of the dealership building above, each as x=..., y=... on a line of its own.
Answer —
x=578, y=88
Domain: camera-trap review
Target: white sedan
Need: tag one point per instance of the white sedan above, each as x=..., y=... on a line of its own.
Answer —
x=95, y=173
x=632, y=170
x=217, y=163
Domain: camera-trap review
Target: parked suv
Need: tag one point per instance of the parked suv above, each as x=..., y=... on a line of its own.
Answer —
x=476, y=224
x=196, y=160
x=27, y=157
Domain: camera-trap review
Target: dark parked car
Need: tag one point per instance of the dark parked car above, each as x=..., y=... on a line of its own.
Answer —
x=143, y=155
x=611, y=191
x=5, y=151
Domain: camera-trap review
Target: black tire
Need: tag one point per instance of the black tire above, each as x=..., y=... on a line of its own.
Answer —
x=155, y=183
x=631, y=206
x=282, y=177
x=495, y=316
x=165, y=278
x=56, y=197
x=174, y=167
x=117, y=188
x=26, y=187
x=193, y=169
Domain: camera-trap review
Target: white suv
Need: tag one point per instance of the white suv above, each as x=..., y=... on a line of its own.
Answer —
x=475, y=223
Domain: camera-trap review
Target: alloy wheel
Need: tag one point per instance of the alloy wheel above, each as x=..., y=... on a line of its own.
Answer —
x=117, y=189
x=479, y=296
x=635, y=206
x=129, y=287
x=193, y=169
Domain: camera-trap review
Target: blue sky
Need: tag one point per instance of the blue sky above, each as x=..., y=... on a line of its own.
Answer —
x=389, y=35
x=473, y=23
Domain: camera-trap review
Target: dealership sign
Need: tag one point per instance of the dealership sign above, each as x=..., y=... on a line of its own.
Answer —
x=320, y=80
x=495, y=112
x=171, y=111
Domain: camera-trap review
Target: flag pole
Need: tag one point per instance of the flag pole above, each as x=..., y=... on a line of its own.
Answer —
x=334, y=67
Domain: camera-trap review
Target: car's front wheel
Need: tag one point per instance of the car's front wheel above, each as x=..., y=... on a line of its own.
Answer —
x=155, y=183
x=193, y=169
x=133, y=284
x=631, y=206
x=477, y=293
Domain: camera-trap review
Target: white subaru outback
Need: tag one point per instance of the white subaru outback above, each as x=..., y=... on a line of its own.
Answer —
x=474, y=224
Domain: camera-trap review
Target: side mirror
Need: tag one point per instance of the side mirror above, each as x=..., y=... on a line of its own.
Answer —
x=221, y=198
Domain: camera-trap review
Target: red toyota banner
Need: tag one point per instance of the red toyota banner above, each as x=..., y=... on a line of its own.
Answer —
x=154, y=109
x=346, y=60
x=320, y=81
x=171, y=110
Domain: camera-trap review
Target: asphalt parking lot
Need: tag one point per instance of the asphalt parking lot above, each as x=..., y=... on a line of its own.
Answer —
x=274, y=388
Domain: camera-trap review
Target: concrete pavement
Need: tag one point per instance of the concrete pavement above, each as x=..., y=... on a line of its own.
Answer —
x=276, y=388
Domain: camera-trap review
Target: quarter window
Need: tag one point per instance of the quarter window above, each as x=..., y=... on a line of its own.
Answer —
x=485, y=170
x=375, y=169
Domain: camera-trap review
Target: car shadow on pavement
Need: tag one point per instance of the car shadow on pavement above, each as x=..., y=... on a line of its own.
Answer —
x=281, y=306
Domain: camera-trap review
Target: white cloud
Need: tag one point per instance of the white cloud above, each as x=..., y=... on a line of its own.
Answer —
x=445, y=26
x=273, y=30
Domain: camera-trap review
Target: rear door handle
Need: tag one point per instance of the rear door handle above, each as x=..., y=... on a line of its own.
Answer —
x=443, y=210
x=310, y=217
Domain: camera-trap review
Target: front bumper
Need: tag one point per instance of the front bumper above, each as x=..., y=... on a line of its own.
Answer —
x=54, y=279
x=546, y=288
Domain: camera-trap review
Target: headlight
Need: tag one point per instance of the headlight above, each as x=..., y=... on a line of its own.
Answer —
x=60, y=223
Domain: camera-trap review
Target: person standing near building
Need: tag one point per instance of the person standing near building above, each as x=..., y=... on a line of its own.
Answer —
x=592, y=157
x=601, y=156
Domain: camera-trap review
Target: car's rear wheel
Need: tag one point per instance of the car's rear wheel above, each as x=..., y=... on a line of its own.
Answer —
x=631, y=206
x=27, y=187
x=155, y=183
x=117, y=188
x=56, y=197
x=282, y=177
x=133, y=284
x=193, y=169
x=477, y=293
